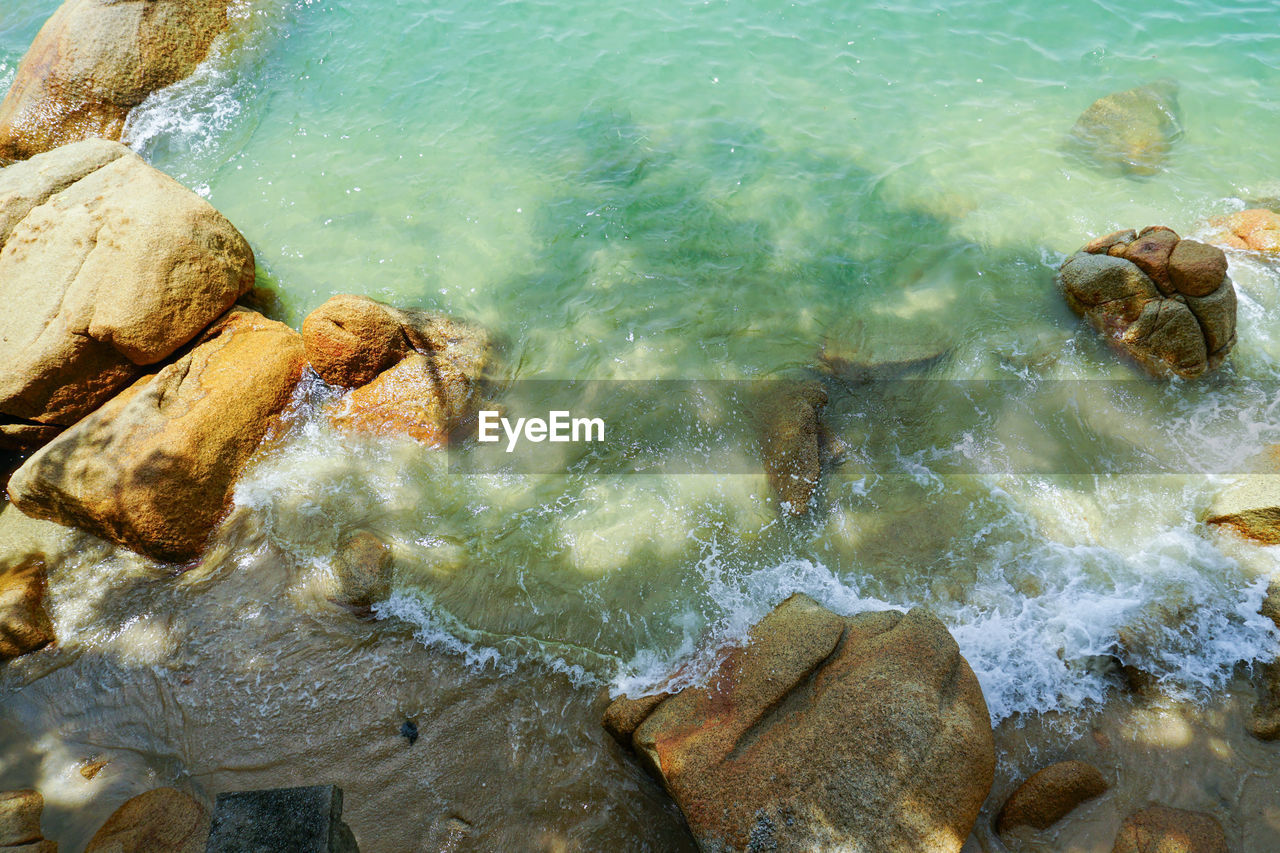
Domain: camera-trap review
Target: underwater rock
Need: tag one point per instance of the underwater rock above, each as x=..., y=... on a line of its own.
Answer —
x=792, y=442
x=1150, y=298
x=107, y=266
x=1264, y=721
x=1160, y=828
x=1130, y=131
x=95, y=60
x=826, y=732
x=426, y=373
x=880, y=348
x=163, y=820
x=153, y=469
x=1049, y=795
x=1257, y=230
x=362, y=569
x=20, y=818
x=300, y=820
x=24, y=623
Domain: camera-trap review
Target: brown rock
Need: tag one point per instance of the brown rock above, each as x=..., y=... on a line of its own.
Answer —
x=351, y=339
x=106, y=266
x=24, y=624
x=826, y=732
x=1050, y=794
x=791, y=442
x=153, y=469
x=159, y=821
x=94, y=61
x=1160, y=829
x=1257, y=230
x=1196, y=269
x=1251, y=507
x=1104, y=244
x=624, y=715
x=1151, y=253
x=1130, y=131
x=20, y=817
x=362, y=569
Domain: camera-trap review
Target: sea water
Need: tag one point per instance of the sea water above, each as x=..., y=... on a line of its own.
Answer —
x=714, y=190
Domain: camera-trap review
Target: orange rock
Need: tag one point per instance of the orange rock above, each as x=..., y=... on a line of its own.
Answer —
x=1151, y=253
x=1257, y=230
x=162, y=820
x=24, y=624
x=406, y=400
x=95, y=60
x=351, y=339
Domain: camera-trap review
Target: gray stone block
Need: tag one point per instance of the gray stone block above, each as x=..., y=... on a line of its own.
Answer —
x=281, y=820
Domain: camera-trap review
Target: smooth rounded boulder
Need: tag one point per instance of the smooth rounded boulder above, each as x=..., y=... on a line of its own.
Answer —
x=163, y=820
x=825, y=732
x=24, y=622
x=1166, y=303
x=1159, y=828
x=1049, y=795
x=1130, y=132
x=107, y=266
x=95, y=60
x=153, y=469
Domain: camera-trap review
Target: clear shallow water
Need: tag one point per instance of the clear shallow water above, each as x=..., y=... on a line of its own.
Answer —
x=713, y=190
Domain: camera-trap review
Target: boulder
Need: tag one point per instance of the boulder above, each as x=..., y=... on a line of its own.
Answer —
x=20, y=817
x=1149, y=296
x=362, y=570
x=95, y=60
x=436, y=379
x=1158, y=829
x=1264, y=722
x=826, y=733
x=1250, y=507
x=300, y=820
x=153, y=469
x=24, y=624
x=1257, y=230
x=791, y=441
x=1049, y=795
x=162, y=820
x=106, y=266
x=1130, y=131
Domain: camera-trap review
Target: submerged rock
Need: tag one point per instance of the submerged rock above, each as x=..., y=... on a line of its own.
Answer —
x=20, y=817
x=825, y=732
x=1160, y=828
x=1049, y=795
x=1130, y=131
x=881, y=348
x=1257, y=230
x=300, y=820
x=153, y=469
x=415, y=373
x=163, y=820
x=792, y=440
x=24, y=623
x=362, y=569
x=106, y=266
x=95, y=60
x=1264, y=721
x=1154, y=298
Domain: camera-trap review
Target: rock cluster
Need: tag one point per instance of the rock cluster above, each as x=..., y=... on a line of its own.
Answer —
x=94, y=61
x=1131, y=131
x=824, y=733
x=1165, y=302
x=162, y=820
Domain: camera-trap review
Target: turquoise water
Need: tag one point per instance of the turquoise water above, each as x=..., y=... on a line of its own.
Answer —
x=713, y=190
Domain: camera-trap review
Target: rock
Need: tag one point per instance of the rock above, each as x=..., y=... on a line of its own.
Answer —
x=94, y=61
x=162, y=820
x=1251, y=507
x=351, y=339
x=24, y=624
x=1130, y=131
x=431, y=391
x=1049, y=795
x=108, y=266
x=1264, y=722
x=153, y=469
x=363, y=568
x=623, y=715
x=825, y=732
x=300, y=820
x=1102, y=245
x=1126, y=291
x=20, y=817
x=791, y=442
x=1256, y=230
x=881, y=348
x=1196, y=269
x=1159, y=829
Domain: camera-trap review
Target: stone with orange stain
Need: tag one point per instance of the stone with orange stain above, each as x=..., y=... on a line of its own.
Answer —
x=1256, y=230
x=154, y=467
x=825, y=733
x=95, y=60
